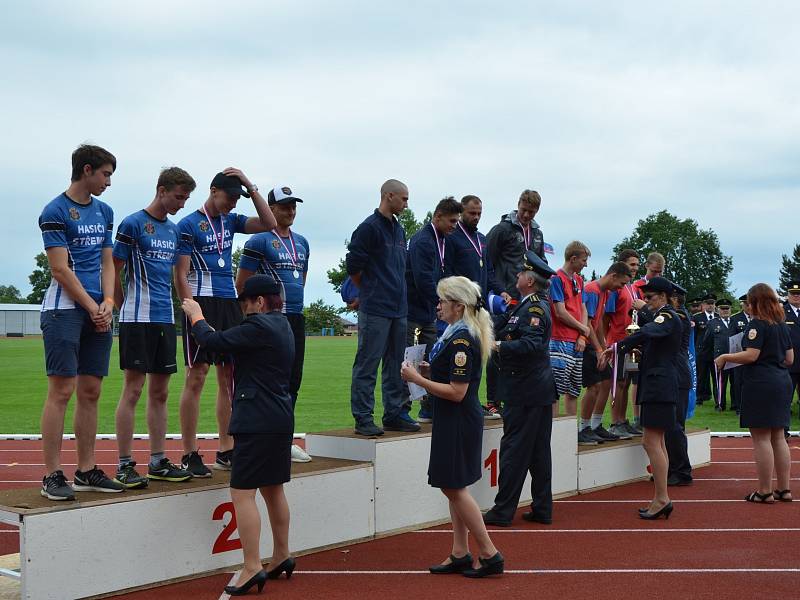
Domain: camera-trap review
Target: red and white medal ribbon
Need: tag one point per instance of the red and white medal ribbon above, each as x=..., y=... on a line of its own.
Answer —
x=218, y=240
x=718, y=376
x=292, y=253
x=614, y=373
x=477, y=246
x=526, y=234
x=439, y=246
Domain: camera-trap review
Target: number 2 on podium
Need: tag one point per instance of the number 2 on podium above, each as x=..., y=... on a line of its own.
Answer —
x=224, y=543
x=491, y=464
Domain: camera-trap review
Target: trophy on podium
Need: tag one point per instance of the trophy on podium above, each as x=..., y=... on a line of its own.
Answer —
x=631, y=359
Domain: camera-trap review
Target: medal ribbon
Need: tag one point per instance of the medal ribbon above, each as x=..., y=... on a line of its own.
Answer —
x=526, y=234
x=614, y=373
x=439, y=246
x=217, y=240
x=293, y=252
x=474, y=245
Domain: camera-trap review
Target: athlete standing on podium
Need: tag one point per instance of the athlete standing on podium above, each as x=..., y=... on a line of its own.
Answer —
x=204, y=271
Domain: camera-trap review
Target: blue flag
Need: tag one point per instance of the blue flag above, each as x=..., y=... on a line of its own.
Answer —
x=693, y=373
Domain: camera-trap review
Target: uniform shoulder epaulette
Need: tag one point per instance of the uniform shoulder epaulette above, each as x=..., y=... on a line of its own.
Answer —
x=461, y=341
x=535, y=297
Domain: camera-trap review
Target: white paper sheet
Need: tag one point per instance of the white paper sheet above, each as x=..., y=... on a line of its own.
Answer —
x=415, y=355
x=734, y=345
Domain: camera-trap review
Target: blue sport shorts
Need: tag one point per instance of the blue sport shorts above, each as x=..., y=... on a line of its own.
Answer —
x=72, y=346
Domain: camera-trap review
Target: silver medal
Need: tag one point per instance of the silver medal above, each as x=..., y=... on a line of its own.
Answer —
x=295, y=274
x=221, y=262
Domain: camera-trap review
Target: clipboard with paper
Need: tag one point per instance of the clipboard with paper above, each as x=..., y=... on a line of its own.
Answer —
x=415, y=355
x=734, y=345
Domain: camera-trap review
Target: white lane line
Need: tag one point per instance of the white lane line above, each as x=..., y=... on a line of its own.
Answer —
x=628, y=530
x=563, y=571
x=9, y=531
x=224, y=595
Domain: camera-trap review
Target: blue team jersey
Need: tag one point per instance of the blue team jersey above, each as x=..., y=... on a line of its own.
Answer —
x=280, y=257
x=84, y=230
x=149, y=248
x=206, y=276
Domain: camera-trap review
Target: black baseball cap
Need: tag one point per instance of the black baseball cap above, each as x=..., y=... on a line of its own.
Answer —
x=658, y=285
x=532, y=262
x=260, y=285
x=281, y=195
x=230, y=184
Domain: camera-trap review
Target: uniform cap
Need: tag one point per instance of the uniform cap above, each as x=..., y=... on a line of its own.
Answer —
x=260, y=285
x=793, y=287
x=724, y=303
x=349, y=291
x=230, y=184
x=678, y=290
x=743, y=298
x=532, y=262
x=496, y=305
x=709, y=298
x=658, y=285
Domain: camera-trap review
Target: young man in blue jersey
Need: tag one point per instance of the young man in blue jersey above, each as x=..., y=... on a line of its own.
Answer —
x=145, y=251
x=283, y=254
x=76, y=318
x=204, y=272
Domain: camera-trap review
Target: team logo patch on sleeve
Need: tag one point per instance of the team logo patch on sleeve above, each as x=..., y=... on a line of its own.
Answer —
x=659, y=319
x=535, y=321
x=460, y=359
x=203, y=225
x=752, y=334
x=74, y=214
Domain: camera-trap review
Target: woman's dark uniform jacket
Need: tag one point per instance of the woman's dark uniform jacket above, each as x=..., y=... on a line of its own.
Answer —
x=658, y=370
x=262, y=421
x=527, y=389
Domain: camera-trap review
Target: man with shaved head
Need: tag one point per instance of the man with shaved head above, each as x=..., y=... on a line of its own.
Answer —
x=376, y=263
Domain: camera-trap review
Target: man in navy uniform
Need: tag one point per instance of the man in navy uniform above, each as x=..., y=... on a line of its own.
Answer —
x=471, y=259
x=430, y=258
x=527, y=385
x=704, y=352
x=694, y=306
x=739, y=323
x=792, y=309
x=718, y=332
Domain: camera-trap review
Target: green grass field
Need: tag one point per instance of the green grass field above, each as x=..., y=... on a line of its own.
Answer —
x=324, y=401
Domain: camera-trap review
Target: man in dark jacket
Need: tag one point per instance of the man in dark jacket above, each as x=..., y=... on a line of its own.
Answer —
x=792, y=309
x=739, y=323
x=527, y=385
x=509, y=240
x=430, y=258
x=704, y=353
x=376, y=263
x=718, y=332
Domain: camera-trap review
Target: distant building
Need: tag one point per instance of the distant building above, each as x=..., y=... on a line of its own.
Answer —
x=19, y=319
x=349, y=327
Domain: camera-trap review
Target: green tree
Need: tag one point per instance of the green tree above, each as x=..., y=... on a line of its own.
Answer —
x=338, y=274
x=693, y=256
x=9, y=294
x=790, y=269
x=236, y=256
x=39, y=279
x=320, y=315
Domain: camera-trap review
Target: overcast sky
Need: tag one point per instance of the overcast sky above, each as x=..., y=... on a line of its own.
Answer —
x=612, y=111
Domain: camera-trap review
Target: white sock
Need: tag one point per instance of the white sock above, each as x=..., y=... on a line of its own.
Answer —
x=584, y=424
x=596, y=421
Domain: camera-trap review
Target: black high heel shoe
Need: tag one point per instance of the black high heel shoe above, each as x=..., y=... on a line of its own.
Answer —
x=259, y=579
x=286, y=566
x=457, y=565
x=489, y=566
x=665, y=510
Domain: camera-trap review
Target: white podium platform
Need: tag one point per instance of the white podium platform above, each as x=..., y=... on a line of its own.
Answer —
x=173, y=531
x=620, y=462
x=403, y=498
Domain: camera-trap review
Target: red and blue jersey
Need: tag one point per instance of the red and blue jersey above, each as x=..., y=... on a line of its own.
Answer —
x=209, y=241
x=149, y=247
x=569, y=290
x=84, y=230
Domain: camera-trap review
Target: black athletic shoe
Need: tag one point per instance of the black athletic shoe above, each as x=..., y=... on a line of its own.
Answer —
x=193, y=462
x=94, y=480
x=675, y=480
x=399, y=424
x=55, y=487
x=605, y=434
x=368, y=428
x=224, y=461
x=129, y=477
x=166, y=471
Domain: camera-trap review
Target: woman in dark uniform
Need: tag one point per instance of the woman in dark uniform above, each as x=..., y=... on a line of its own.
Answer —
x=657, y=394
x=766, y=391
x=262, y=421
x=456, y=361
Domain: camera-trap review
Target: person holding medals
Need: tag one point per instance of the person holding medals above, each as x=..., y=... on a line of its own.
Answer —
x=204, y=272
x=515, y=234
x=471, y=260
x=430, y=258
x=283, y=254
x=452, y=379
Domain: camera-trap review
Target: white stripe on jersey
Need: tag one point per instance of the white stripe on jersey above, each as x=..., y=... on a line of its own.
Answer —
x=55, y=298
x=200, y=277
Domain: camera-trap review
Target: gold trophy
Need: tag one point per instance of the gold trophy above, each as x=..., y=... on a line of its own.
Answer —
x=417, y=331
x=631, y=359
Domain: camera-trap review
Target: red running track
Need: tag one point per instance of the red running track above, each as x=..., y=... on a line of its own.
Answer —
x=715, y=545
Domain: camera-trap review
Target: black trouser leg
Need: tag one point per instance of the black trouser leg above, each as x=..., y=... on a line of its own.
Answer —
x=726, y=375
x=703, y=377
x=676, y=442
x=492, y=374
x=735, y=389
x=520, y=425
x=541, y=467
x=298, y=324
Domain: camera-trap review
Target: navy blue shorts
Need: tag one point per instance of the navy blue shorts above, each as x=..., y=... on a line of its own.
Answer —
x=72, y=346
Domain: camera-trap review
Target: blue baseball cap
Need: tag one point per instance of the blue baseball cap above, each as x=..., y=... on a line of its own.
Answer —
x=349, y=291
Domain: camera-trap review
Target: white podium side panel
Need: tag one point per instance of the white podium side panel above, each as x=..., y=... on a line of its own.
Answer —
x=564, y=450
x=699, y=443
